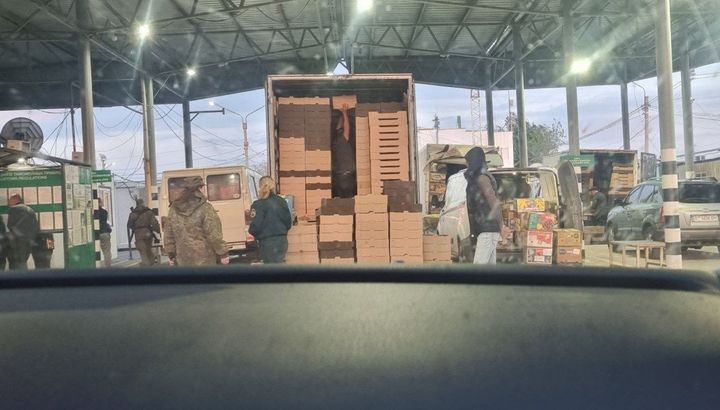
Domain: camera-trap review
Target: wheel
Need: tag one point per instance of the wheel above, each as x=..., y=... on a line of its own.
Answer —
x=611, y=235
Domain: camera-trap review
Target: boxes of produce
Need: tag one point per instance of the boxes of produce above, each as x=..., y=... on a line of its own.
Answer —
x=530, y=205
x=538, y=239
x=568, y=255
x=539, y=256
x=568, y=238
x=540, y=221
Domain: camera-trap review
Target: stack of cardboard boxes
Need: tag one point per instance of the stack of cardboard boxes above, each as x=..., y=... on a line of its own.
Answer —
x=362, y=155
x=622, y=179
x=406, y=224
x=389, y=160
x=304, y=152
x=303, y=244
x=436, y=249
x=292, y=171
x=372, y=235
x=336, y=228
x=568, y=247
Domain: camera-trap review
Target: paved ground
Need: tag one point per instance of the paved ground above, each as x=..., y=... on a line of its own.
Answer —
x=705, y=259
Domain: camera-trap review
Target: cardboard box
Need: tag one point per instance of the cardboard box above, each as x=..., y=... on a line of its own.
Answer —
x=404, y=207
x=383, y=243
x=339, y=100
x=337, y=253
x=371, y=204
x=408, y=259
x=530, y=205
x=568, y=238
x=337, y=206
x=338, y=261
x=313, y=199
x=373, y=253
x=568, y=255
x=302, y=258
x=371, y=235
x=303, y=246
x=335, y=246
x=540, y=221
x=302, y=229
x=371, y=221
x=406, y=245
x=318, y=180
x=317, y=160
x=539, y=256
x=538, y=239
x=303, y=100
x=436, y=248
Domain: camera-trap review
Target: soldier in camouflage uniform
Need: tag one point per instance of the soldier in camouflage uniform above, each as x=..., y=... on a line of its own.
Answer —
x=144, y=225
x=193, y=232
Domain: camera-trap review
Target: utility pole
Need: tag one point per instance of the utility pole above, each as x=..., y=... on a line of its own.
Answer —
x=246, y=143
x=646, y=115
x=436, y=125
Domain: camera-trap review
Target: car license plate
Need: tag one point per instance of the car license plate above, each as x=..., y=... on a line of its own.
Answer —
x=705, y=220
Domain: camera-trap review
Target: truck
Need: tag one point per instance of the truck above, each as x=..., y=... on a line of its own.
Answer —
x=613, y=172
x=231, y=190
x=386, y=93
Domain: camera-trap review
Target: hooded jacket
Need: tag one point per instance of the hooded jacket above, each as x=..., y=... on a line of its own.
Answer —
x=482, y=204
x=193, y=232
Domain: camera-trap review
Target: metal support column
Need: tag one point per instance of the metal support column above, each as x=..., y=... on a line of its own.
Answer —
x=625, y=115
x=82, y=11
x=489, y=105
x=146, y=143
x=520, y=95
x=687, y=113
x=570, y=79
x=187, y=133
x=150, y=101
x=663, y=47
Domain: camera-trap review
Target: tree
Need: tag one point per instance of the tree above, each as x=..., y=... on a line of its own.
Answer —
x=542, y=139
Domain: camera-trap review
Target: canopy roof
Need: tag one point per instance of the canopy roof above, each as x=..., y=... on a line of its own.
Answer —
x=234, y=44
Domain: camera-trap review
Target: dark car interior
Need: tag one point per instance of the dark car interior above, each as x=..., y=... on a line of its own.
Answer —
x=387, y=337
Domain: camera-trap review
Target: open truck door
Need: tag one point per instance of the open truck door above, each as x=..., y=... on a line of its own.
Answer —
x=571, y=214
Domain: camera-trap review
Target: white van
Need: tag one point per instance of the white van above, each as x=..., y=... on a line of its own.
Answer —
x=231, y=190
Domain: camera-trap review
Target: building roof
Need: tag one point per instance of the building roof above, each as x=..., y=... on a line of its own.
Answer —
x=234, y=44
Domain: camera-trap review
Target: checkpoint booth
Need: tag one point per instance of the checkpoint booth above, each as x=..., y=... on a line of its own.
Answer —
x=62, y=197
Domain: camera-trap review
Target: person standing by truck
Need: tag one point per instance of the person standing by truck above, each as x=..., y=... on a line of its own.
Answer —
x=193, y=231
x=271, y=221
x=344, y=180
x=483, y=206
x=144, y=225
x=598, y=207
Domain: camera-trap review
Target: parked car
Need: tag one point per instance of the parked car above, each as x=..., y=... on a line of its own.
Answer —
x=640, y=214
x=557, y=186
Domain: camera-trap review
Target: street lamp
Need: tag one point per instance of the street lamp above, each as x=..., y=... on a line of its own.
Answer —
x=143, y=31
x=646, y=115
x=580, y=66
x=246, y=143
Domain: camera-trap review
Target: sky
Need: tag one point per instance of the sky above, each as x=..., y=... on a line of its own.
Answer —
x=217, y=138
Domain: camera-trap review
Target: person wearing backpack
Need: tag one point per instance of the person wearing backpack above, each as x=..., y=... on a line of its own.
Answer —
x=23, y=228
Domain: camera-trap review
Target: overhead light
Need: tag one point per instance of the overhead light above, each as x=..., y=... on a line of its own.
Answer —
x=580, y=66
x=329, y=73
x=211, y=103
x=190, y=72
x=364, y=6
x=143, y=31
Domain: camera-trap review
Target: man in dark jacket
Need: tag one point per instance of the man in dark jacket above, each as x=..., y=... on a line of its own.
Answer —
x=271, y=222
x=344, y=179
x=101, y=214
x=23, y=228
x=598, y=207
x=483, y=206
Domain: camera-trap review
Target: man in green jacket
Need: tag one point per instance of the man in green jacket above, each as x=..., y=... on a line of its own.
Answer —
x=193, y=231
x=271, y=221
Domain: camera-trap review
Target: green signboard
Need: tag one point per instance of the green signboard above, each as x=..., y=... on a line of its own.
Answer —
x=31, y=178
x=101, y=175
x=582, y=161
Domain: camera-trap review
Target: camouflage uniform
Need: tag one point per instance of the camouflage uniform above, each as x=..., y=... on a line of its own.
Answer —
x=193, y=232
x=143, y=223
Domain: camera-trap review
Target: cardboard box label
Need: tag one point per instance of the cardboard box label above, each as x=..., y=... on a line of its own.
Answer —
x=568, y=238
x=539, y=256
x=539, y=239
x=530, y=205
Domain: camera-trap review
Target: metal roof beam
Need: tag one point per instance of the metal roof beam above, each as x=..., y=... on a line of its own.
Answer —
x=199, y=31
x=94, y=40
x=187, y=16
x=286, y=23
x=418, y=19
x=460, y=26
x=436, y=52
x=514, y=10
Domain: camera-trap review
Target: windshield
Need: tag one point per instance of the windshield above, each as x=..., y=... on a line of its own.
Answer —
x=690, y=193
x=179, y=125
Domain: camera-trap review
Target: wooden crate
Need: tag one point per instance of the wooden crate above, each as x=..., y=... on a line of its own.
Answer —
x=304, y=100
x=388, y=148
